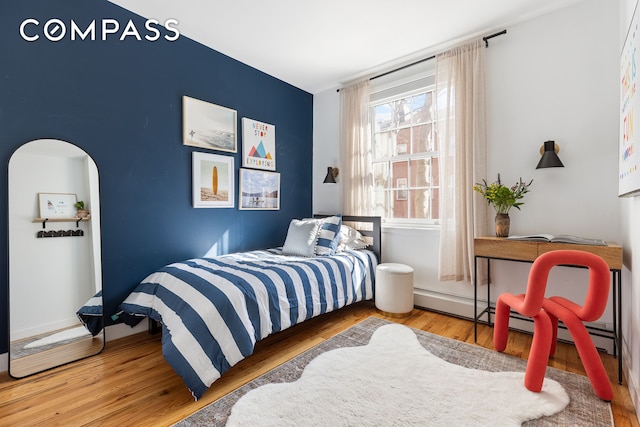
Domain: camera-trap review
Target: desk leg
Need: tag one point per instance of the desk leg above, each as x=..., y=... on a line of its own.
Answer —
x=617, y=320
x=489, y=292
x=475, y=299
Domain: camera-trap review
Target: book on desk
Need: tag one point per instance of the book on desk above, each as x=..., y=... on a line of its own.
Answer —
x=559, y=238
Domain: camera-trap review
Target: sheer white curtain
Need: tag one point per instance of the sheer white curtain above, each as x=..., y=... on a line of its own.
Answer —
x=460, y=112
x=355, y=142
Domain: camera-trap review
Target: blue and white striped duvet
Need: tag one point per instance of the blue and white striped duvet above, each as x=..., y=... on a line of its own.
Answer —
x=214, y=310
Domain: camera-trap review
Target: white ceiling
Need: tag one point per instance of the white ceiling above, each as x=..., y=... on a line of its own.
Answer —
x=321, y=45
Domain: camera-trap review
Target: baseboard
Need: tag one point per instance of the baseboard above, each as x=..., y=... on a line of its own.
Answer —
x=4, y=362
x=121, y=330
x=444, y=303
x=463, y=307
x=631, y=377
x=112, y=333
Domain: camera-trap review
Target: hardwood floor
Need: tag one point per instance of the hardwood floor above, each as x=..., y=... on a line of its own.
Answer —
x=131, y=384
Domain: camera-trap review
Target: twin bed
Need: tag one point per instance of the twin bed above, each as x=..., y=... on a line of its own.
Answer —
x=214, y=310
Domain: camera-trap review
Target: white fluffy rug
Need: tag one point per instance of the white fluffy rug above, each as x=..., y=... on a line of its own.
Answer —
x=394, y=381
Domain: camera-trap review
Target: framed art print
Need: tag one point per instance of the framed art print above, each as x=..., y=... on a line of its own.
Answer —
x=628, y=156
x=213, y=185
x=258, y=145
x=57, y=205
x=259, y=190
x=208, y=125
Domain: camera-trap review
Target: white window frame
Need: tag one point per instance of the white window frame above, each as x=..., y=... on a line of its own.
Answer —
x=395, y=90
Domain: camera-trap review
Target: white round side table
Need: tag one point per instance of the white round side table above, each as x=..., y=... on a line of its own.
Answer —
x=394, y=289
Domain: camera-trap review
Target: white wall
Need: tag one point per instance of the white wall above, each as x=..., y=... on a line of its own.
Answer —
x=50, y=277
x=552, y=77
x=326, y=151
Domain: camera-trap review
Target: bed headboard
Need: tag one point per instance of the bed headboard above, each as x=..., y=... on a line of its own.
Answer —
x=368, y=226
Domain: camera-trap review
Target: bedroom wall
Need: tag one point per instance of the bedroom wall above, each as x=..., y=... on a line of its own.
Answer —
x=120, y=101
x=551, y=77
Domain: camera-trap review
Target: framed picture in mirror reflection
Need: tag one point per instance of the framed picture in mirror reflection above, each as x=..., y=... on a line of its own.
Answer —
x=57, y=205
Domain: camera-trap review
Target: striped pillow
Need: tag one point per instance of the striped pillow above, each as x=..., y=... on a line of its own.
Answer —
x=329, y=235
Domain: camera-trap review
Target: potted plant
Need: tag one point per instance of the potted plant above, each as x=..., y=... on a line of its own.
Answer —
x=503, y=198
x=81, y=212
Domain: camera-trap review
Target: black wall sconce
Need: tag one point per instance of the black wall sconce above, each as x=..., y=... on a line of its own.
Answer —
x=332, y=173
x=550, y=157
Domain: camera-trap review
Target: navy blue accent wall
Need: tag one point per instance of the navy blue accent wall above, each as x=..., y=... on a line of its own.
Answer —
x=121, y=101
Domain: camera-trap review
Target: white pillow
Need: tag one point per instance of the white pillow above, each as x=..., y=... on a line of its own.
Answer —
x=301, y=238
x=351, y=239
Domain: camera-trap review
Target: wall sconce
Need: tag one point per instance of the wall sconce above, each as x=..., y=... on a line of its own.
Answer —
x=332, y=173
x=550, y=159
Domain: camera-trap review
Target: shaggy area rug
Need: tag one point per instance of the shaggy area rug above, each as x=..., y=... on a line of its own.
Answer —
x=445, y=382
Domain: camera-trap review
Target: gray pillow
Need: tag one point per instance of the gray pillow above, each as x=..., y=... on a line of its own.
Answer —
x=301, y=238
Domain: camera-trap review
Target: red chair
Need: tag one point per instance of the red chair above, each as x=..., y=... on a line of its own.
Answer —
x=573, y=316
x=528, y=304
x=547, y=311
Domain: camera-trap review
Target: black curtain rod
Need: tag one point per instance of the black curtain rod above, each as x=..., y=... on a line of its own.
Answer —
x=485, y=39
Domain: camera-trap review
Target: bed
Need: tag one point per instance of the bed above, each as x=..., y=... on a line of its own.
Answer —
x=214, y=310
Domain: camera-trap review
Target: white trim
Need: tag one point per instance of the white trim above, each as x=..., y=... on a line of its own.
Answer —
x=631, y=377
x=463, y=307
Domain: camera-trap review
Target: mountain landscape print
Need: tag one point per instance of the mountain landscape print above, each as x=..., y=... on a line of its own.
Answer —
x=259, y=190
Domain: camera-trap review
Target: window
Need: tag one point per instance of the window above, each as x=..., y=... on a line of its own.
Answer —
x=405, y=158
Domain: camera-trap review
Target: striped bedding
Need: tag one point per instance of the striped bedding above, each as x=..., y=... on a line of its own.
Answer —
x=90, y=314
x=214, y=310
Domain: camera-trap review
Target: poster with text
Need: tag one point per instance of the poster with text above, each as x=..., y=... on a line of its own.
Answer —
x=628, y=156
x=258, y=145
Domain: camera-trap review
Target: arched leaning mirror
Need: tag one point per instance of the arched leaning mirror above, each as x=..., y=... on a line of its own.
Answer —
x=55, y=272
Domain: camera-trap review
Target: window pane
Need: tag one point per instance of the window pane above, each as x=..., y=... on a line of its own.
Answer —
x=420, y=203
x=382, y=144
x=380, y=203
x=382, y=117
x=422, y=108
x=403, y=139
x=435, y=171
x=400, y=171
x=423, y=139
x=435, y=204
x=420, y=173
x=402, y=116
x=400, y=205
x=381, y=176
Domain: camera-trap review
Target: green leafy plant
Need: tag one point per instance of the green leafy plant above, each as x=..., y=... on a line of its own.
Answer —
x=501, y=197
x=79, y=205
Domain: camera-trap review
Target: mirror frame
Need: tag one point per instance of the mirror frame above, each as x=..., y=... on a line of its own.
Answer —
x=93, y=341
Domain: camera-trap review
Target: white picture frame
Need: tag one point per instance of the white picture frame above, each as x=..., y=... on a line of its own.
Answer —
x=628, y=152
x=207, y=125
x=258, y=145
x=259, y=190
x=213, y=183
x=57, y=205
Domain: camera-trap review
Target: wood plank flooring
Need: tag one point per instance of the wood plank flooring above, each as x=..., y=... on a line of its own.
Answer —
x=131, y=384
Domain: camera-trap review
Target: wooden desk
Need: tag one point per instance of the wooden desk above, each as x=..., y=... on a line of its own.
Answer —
x=526, y=251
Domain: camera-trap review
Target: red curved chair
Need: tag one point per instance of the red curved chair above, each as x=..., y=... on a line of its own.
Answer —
x=528, y=304
x=546, y=312
x=573, y=316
